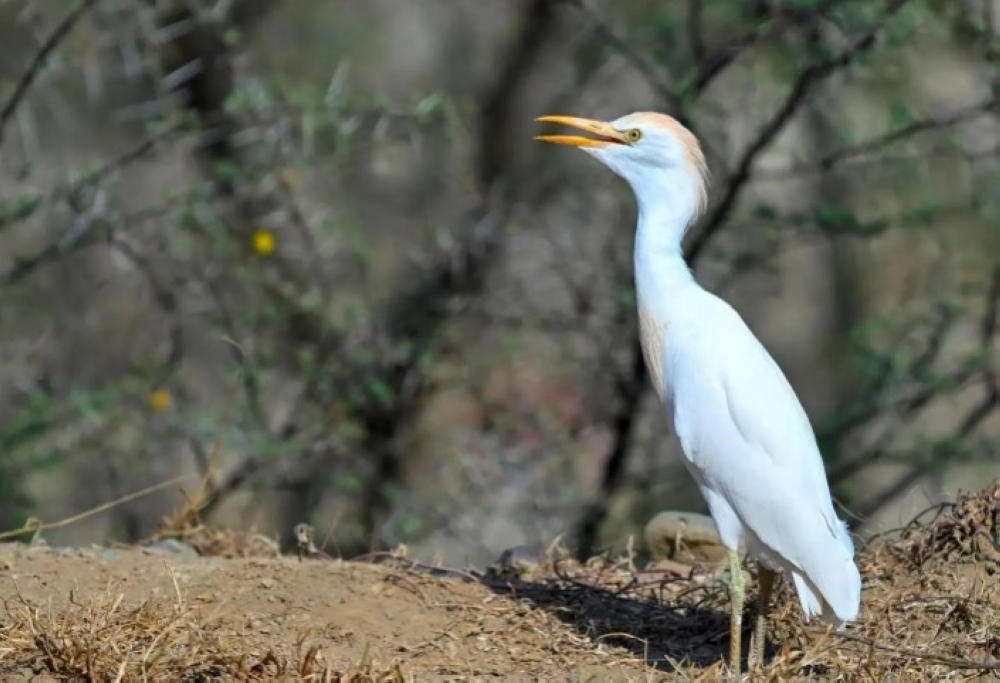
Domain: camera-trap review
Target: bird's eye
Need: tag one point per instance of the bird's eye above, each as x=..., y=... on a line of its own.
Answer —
x=634, y=135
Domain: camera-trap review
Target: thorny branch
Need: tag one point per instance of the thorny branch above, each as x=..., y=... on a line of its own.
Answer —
x=31, y=74
x=988, y=333
x=958, y=664
x=417, y=313
x=72, y=194
x=863, y=411
x=869, y=147
x=637, y=59
x=713, y=65
x=696, y=36
x=908, y=410
x=165, y=299
x=807, y=80
x=974, y=417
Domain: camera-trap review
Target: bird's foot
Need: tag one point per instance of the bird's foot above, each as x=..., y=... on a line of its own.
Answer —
x=744, y=578
x=756, y=658
x=739, y=676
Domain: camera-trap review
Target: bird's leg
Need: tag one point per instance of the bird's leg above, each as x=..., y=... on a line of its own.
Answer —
x=765, y=584
x=736, y=586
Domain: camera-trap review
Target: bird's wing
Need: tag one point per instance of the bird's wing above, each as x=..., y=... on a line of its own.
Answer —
x=768, y=414
x=743, y=429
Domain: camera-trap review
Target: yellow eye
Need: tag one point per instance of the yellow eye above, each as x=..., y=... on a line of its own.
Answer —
x=634, y=135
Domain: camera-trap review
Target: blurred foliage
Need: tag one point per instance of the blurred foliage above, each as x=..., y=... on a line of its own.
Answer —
x=306, y=343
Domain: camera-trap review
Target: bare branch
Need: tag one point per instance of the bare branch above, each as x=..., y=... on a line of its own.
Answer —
x=988, y=335
x=872, y=145
x=707, y=66
x=416, y=314
x=806, y=81
x=165, y=299
x=935, y=459
x=712, y=66
x=38, y=63
x=695, y=32
x=638, y=60
x=85, y=230
x=959, y=381
x=955, y=664
x=631, y=389
x=35, y=202
x=869, y=395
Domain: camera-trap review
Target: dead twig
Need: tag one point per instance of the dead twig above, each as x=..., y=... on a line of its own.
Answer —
x=38, y=62
x=923, y=655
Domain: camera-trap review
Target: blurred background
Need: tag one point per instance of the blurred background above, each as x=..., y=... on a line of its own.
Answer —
x=305, y=254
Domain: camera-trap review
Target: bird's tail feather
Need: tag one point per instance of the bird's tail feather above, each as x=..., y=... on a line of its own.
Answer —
x=811, y=604
x=842, y=602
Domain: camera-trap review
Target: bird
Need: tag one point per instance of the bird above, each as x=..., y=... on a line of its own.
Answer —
x=746, y=439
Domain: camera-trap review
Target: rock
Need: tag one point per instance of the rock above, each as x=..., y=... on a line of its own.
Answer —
x=686, y=537
x=522, y=557
x=109, y=554
x=171, y=546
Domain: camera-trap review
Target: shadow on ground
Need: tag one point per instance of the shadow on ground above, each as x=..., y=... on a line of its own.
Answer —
x=668, y=629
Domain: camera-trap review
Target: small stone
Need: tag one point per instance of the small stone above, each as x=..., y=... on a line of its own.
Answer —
x=686, y=537
x=171, y=546
x=522, y=556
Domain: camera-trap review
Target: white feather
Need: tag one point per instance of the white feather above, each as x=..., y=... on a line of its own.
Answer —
x=747, y=441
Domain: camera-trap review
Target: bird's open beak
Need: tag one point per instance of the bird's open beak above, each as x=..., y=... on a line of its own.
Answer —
x=605, y=134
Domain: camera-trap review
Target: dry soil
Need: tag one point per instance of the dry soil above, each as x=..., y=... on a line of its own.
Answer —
x=186, y=612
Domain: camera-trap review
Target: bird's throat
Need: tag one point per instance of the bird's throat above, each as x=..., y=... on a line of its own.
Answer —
x=667, y=204
x=660, y=275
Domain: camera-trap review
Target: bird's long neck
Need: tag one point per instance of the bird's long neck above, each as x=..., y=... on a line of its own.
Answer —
x=660, y=270
x=663, y=281
x=662, y=284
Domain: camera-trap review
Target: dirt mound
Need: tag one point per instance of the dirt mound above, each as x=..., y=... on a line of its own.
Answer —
x=171, y=612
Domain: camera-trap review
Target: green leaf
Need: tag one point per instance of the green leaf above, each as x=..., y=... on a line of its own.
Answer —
x=899, y=115
x=381, y=391
x=765, y=212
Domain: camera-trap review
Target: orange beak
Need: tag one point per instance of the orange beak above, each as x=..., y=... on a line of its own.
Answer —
x=605, y=134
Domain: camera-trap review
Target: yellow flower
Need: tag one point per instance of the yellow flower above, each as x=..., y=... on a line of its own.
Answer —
x=263, y=242
x=160, y=400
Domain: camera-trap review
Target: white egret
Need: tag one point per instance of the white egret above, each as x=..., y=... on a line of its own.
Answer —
x=746, y=439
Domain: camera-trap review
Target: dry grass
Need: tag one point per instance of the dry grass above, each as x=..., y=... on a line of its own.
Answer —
x=930, y=613
x=98, y=639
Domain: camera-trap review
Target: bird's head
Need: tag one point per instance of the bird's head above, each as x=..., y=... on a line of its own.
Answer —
x=653, y=152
